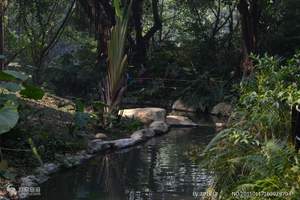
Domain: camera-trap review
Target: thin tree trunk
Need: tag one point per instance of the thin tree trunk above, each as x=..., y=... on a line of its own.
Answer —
x=2, y=59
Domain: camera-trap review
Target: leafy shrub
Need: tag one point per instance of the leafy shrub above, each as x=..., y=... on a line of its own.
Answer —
x=12, y=82
x=254, y=153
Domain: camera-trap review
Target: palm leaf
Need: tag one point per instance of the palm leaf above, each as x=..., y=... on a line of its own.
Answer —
x=114, y=85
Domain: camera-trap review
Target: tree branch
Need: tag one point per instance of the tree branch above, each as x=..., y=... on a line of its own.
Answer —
x=59, y=31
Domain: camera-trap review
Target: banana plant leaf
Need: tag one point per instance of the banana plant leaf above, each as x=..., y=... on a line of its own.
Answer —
x=9, y=117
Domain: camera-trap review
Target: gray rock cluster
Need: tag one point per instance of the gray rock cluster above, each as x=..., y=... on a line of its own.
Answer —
x=155, y=128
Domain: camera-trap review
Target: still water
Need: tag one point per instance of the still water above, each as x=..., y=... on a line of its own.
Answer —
x=164, y=168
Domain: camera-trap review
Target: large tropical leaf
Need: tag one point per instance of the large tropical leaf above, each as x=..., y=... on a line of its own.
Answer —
x=8, y=118
x=11, y=86
x=114, y=84
x=18, y=75
x=117, y=6
x=6, y=77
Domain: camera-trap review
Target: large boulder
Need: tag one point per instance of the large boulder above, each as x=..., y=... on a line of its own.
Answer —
x=223, y=109
x=146, y=115
x=180, y=106
x=159, y=127
x=174, y=120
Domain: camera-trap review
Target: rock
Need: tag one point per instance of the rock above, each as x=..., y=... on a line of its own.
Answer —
x=146, y=115
x=48, y=168
x=174, y=120
x=143, y=134
x=101, y=136
x=41, y=178
x=51, y=168
x=83, y=156
x=148, y=133
x=159, y=127
x=97, y=145
x=180, y=106
x=223, y=109
x=71, y=161
x=123, y=143
x=138, y=136
x=220, y=125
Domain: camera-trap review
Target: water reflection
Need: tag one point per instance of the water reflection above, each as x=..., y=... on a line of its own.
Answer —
x=164, y=168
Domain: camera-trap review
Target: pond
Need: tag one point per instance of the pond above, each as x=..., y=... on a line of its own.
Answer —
x=164, y=168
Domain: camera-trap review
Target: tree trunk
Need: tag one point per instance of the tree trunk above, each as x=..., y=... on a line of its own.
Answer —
x=101, y=13
x=249, y=13
x=142, y=41
x=139, y=52
x=2, y=58
x=296, y=126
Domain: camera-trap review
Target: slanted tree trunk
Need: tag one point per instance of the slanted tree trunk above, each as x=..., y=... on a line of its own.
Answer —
x=249, y=13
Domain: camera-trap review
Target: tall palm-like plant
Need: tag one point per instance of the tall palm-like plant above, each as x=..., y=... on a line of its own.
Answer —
x=114, y=85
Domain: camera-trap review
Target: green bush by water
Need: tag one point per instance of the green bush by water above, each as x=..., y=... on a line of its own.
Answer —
x=254, y=154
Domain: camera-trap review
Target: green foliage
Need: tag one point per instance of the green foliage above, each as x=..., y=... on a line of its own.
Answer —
x=113, y=85
x=32, y=92
x=254, y=153
x=73, y=72
x=204, y=92
x=8, y=117
x=118, y=10
x=81, y=118
x=279, y=27
x=12, y=82
x=50, y=146
x=266, y=98
x=126, y=125
x=6, y=77
x=41, y=24
x=35, y=151
x=18, y=75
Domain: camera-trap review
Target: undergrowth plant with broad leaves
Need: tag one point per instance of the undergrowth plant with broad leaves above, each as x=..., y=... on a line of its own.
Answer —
x=14, y=85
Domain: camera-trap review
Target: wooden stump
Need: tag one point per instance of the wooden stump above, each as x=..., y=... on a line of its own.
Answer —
x=296, y=126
